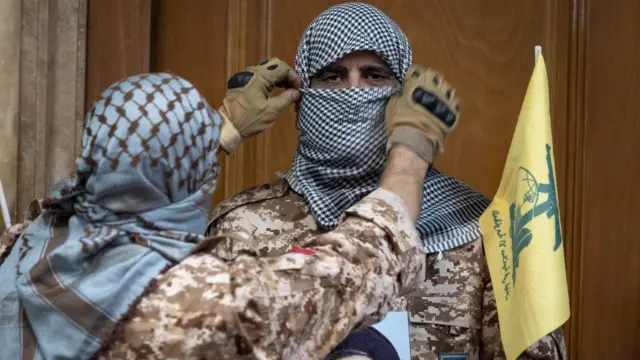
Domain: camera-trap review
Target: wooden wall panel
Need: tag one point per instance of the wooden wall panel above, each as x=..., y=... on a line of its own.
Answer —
x=118, y=42
x=246, y=167
x=572, y=194
x=256, y=48
x=10, y=39
x=610, y=313
x=193, y=42
x=52, y=95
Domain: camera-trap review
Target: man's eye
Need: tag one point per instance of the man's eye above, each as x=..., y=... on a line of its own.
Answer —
x=378, y=76
x=330, y=78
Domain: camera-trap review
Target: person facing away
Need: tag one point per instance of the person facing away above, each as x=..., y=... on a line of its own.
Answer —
x=351, y=59
x=116, y=265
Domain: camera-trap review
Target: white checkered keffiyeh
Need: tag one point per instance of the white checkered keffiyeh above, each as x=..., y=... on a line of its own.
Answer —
x=342, y=147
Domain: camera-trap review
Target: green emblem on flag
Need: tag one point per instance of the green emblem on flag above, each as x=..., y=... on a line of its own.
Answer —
x=531, y=189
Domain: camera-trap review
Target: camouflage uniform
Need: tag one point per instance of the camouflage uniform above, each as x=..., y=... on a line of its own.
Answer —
x=296, y=306
x=10, y=235
x=453, y=310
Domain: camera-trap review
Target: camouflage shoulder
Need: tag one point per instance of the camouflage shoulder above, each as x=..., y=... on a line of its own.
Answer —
x=9, y=237
x=255, y=194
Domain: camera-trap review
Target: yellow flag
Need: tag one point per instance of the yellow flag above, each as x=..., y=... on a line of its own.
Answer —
x=521, y=229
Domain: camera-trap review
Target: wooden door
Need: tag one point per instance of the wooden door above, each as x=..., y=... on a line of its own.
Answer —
x=485, y=48
x=606, y=305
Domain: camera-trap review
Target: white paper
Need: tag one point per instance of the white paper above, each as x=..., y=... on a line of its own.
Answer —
x=396, y=328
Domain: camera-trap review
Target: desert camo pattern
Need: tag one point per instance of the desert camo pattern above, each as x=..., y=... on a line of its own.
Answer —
x=264, y=212
x=10, y=236
x=445, y=316
x=295, y=306
x=452, y=311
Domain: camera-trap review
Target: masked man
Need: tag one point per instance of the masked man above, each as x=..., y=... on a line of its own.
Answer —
x=351, y=59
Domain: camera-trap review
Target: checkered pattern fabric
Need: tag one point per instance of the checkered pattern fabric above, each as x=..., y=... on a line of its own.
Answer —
x=146, y=174
x=343, y=29
x=154, y=118
x=342, y=147
x=152, y=134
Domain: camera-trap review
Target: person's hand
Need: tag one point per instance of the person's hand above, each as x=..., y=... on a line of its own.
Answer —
x=249, y=108
x=422, y=114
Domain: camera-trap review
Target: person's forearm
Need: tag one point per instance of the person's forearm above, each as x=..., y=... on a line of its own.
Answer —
x=404, y=176
x=299, y=305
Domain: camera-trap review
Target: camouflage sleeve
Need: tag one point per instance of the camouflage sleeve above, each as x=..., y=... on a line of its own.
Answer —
x=379, y=225
x=6, y=243
x=9, y=237
x=550, y=347
x=229, y=247
x=296, y=306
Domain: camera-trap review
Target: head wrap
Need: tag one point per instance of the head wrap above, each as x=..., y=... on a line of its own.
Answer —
x=342, y=147
x=138, y=205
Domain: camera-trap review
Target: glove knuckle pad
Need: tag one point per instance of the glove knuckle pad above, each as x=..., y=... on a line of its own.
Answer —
x=239, y=80
x=433, y=104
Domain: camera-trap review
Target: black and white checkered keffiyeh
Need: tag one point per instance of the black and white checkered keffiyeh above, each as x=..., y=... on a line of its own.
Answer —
x=342, y=147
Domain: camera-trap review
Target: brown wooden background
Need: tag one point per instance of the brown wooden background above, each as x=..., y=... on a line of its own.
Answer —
x=485, y=48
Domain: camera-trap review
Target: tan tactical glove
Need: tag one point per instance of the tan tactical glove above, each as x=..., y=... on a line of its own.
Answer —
x=422, y=114
x=248, y=107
